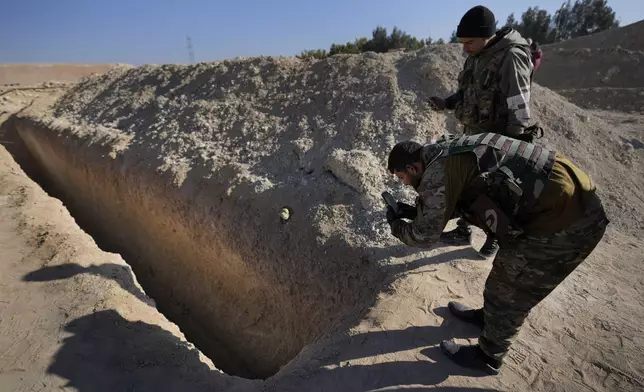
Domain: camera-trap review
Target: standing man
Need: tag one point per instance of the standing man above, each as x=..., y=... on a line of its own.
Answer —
x=493, y=91
x=542, y=208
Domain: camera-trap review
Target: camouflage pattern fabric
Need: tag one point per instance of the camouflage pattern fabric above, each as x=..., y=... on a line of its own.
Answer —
x=525, y=272
x=525, y=162
x=513, y=174
x=425, y=230
x=494, y=87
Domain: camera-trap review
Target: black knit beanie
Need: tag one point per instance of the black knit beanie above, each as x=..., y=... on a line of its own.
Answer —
x=478, y=22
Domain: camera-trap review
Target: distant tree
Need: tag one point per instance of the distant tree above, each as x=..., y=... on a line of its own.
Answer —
x=379, y=42
x=584, y=17
x=536, y=24
x=414, y=43
x=336, y=48
x=361, y=42
x=453, y=39
x=396, y=39
x=313, y=54
x=511, y=22
x=563, y=23
x=571, y=20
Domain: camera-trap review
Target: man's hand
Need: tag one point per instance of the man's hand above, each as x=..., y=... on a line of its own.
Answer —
x=406, y=211
x=437, y=103
x=391, y=215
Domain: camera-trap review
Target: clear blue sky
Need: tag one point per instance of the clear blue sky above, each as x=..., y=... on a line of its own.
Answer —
x=154, y=31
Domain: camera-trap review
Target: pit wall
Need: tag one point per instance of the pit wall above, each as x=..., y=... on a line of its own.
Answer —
x=247, y=289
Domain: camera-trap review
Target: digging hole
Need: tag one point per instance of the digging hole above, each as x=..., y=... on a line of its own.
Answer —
x=202, y=277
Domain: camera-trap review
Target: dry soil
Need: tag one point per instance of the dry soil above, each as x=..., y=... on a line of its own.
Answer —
x=183, y=170
x=600, y=71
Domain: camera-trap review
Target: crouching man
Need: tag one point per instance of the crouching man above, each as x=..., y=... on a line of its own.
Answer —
x=541, y=208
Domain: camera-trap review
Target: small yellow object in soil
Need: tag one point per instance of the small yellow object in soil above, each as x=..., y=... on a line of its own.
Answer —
x=285, y=213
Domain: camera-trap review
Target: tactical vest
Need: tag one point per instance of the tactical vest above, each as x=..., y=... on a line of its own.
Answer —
x=483, y=107
x=513, y=173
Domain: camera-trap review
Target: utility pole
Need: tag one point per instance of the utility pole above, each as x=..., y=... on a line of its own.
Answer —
x=191, y=51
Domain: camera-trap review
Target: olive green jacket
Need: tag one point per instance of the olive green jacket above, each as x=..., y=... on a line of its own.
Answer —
x=446, y=180
x=494, y=87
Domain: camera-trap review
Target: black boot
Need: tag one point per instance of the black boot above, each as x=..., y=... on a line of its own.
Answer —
x=461, y=235
x=467, y=314
x=471, y=356
x=490, y=247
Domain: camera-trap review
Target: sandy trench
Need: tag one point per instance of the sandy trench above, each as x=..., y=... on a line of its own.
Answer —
x=74, y=317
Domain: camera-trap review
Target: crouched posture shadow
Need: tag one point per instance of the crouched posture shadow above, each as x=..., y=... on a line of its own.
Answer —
x=109, y=353
x=120, y=274
x=429, y=367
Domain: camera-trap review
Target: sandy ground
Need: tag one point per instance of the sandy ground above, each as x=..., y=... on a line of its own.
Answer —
x=627, y=37
x=599, y=71
x=563, y=346
x=33, y=74
x=73, y=318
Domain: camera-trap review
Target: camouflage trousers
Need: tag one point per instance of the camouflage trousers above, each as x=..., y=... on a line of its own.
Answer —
x=529, y=269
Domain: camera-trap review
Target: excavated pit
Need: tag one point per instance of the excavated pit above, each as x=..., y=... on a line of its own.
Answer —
x=184, y=170
x=207, y=270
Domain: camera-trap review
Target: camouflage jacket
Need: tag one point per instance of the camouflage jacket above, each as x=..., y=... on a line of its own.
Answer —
x=494, y=87
x=447, y=182
x=425, y=230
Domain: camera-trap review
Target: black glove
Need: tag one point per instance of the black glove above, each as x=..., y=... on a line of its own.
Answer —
x=406, y=211
x=391, y=215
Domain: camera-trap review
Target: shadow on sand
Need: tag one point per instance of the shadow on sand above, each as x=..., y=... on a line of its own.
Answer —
x=109, y=353
x=106, y=352
x=429, y=368
x=119, y=273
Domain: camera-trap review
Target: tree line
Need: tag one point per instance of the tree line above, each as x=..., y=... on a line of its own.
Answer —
x=571, y=20
x=380, y=42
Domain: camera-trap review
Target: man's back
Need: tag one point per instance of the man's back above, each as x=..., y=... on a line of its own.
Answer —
x=559, y=205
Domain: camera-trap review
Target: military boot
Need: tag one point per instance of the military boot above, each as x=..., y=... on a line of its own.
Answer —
x=467, y=314
x=490, y=247
x=461, y=235
x=471, y=356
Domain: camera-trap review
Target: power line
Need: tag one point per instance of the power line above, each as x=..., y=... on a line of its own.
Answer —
x=191, y=51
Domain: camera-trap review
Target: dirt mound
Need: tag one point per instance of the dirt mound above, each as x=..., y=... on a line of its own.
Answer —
x=35, y=74
x=280, y=116
x=591, y=68
x=71, y=307
x=630, y=37
x=230, y=144
x=629, y=100
x=185, y=169
x=600, y=64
